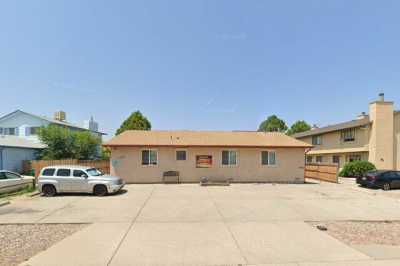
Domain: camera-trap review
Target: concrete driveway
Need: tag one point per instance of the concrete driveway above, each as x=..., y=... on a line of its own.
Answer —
x=247, y=224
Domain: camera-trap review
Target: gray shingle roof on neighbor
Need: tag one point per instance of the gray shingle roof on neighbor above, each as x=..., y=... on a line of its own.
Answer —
x=18, y=142
x=54, y=121
x=349, y=124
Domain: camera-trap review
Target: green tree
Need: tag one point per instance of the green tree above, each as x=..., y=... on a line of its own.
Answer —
x=136, y=121
x=63, y=143
x=297, y=127
x=59, y=141
x=86, y=145
x=273, y=124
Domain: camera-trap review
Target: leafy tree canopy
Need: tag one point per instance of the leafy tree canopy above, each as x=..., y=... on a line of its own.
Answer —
x=63, y=143
x=297, y=127
x=136, y=121
x=273, y=124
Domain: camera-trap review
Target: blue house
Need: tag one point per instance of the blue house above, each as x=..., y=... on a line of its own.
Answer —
x=19, y=140
x=25, y=125
x=14, y=150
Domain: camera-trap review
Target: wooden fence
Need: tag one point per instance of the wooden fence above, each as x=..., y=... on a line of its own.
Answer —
x=323, y=172
x=37, y=165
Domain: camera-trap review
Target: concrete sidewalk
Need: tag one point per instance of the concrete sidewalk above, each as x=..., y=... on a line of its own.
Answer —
x=245, y=224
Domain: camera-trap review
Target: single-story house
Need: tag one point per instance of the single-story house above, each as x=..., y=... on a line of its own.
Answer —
x=243, y=156
x=14, y=150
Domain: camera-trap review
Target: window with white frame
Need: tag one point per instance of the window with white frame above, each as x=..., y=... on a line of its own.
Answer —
x=10, y=131
x=149, y=157
x=268, y=158
x=309, y=159
x=229, y=157
x=318, y=159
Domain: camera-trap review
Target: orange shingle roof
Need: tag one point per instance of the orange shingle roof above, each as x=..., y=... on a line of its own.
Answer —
x=205, y=139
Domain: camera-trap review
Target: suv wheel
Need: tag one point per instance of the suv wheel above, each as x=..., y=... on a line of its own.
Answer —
x=386, y=186
x=49, y=190
x=100, y=190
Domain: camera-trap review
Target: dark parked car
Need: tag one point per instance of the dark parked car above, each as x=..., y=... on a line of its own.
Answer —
x=385, y=179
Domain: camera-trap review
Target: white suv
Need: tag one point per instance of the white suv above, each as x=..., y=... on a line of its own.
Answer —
x=74, y=178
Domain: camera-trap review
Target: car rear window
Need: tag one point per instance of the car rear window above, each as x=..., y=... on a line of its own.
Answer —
x=63, y=172
x=48, y=172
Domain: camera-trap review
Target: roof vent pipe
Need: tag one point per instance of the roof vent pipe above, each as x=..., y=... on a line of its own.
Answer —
x=381, y=97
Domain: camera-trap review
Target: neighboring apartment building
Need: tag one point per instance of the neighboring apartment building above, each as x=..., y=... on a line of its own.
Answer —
x=25, y=125
x=144, y=156
x=374, y=137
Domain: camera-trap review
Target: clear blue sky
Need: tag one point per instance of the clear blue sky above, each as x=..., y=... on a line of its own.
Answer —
x=218, y=65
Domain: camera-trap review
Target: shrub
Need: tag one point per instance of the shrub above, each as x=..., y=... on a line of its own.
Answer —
x=356, y=168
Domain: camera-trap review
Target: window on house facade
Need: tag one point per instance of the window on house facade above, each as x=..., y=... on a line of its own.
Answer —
x=181, y=155
x=229, y=157
x=336, y=159
x=10, y=131
x=354, y=157
x=318, y=159
x=149, y=157
x=348, y=134
x=317, y=140
x=268, y=158
x=309, y=159
x=32, y=130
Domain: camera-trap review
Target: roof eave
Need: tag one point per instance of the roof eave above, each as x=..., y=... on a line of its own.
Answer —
x=211, y=146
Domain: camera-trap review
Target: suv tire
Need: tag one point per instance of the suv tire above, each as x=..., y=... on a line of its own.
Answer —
x=100, y=190
x=49, y=191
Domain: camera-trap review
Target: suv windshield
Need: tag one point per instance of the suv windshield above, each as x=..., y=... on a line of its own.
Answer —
x=94, y=172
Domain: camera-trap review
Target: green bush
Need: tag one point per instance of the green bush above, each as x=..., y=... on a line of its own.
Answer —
x=356, y=168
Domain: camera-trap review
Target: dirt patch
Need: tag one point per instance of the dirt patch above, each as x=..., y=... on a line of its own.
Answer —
x=19, y=242
x=363, y=232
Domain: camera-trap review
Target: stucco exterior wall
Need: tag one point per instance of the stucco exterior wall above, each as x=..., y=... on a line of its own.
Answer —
x=396, y=145
x=332, y=140
x=381, y=145
x=126, y=163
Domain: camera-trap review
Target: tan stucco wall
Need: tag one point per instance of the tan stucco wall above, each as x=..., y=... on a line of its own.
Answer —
x=396, y=145
x=381, y=144
x=332, y=140
x=126, y=162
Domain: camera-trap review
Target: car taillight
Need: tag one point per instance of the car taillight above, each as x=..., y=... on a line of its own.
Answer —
x=371, y=177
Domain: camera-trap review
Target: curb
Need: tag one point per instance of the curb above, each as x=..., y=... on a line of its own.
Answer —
x=4, y=203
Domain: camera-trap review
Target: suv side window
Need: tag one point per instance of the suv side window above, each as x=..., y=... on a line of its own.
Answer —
x=48, y=172
x=63, y=172
x=79, y=173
